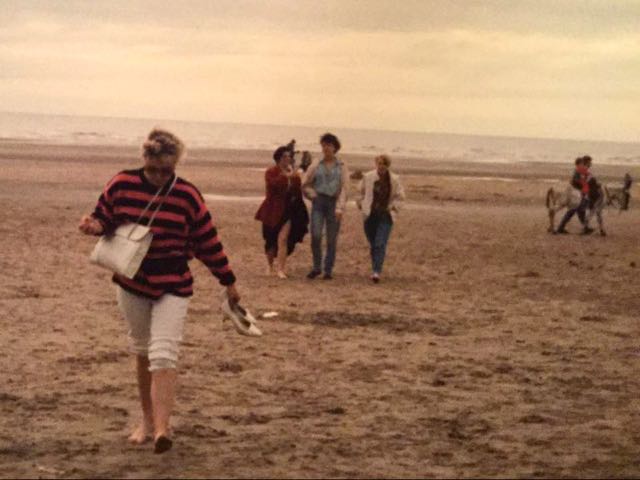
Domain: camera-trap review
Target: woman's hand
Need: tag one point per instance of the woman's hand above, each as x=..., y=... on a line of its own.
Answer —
x=90, y=226
x=232, y=294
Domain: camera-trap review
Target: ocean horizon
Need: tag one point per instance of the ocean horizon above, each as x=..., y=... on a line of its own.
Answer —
x=96, y=130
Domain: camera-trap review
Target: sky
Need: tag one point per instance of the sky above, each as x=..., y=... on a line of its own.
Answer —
x=533, y=68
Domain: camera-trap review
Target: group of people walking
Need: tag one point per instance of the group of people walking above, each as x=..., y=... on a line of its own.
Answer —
x=326, y=184
x=154, y=302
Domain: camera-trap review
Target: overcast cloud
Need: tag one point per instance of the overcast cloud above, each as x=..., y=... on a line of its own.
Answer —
x=556, y=69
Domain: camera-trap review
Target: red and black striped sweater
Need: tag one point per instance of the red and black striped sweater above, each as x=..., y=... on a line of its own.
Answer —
x=182, y=229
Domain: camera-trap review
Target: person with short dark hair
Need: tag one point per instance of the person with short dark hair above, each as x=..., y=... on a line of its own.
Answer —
x=331, y=139
x=326, y=185
x=283, y=213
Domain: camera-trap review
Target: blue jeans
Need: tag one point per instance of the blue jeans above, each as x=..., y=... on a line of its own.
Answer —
x=378, y=227
x=580, y=210
x=323, y=210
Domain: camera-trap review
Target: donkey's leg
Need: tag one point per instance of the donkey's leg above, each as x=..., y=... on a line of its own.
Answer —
x=552, y=214
x=600, y=222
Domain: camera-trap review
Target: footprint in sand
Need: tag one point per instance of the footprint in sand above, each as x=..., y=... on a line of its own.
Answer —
x=201, y=431
x=230, y=367
x=249, y=419
x=336, y=411
x=534, y=418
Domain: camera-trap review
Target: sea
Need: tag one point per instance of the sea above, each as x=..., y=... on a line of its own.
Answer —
x=90, y=130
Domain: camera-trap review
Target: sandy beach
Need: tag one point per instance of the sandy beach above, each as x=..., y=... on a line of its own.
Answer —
x=491, y=348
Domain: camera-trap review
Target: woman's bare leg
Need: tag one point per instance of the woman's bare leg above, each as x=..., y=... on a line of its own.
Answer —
x=283, y=238
x=163, y=386
x=144, y=431
x=271, y=255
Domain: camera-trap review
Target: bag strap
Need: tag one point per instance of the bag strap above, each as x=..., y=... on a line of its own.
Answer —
x=175, y=179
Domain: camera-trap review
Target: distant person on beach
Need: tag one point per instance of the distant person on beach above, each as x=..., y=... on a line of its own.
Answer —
x=154, y=303
x=581, y=181
x=326, y=185
x=283, y=213
x=380, y=197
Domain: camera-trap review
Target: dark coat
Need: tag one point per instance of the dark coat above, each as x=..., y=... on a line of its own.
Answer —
x=284, y=203
x=279, y=190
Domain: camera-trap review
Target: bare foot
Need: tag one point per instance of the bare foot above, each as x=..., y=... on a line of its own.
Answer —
x=142, y=434
x=281, y=275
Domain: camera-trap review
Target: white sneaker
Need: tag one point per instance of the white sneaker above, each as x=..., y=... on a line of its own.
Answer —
x=242, y=320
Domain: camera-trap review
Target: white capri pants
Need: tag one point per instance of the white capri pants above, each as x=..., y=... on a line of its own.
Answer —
x=155, y=326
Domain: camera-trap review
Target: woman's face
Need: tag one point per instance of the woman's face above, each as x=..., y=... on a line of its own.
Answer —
x=328, y=149
x=381, y=166
x=285, y=160
x=159, y=170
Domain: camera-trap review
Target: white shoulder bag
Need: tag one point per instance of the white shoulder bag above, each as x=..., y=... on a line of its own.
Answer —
x=123, y=251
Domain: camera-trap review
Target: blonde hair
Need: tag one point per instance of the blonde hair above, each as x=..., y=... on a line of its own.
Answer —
x=162, y=143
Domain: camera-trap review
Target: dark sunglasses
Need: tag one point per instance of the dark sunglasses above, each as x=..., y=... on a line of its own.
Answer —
x=163, y=171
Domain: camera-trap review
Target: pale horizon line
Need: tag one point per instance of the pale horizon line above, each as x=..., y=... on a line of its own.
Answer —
x=419, y=132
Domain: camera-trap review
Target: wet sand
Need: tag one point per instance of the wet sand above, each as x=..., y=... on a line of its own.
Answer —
x=491, y=348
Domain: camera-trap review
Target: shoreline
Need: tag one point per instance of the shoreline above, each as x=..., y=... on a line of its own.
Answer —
x=260, y=158
x=463, y=158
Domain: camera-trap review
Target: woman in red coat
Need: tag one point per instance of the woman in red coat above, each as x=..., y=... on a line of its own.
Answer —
x=283, y=213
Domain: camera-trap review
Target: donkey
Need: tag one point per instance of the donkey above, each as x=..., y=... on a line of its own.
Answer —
x=619, y=197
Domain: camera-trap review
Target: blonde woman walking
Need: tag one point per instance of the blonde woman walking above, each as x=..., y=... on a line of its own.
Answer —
x=154, y=303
